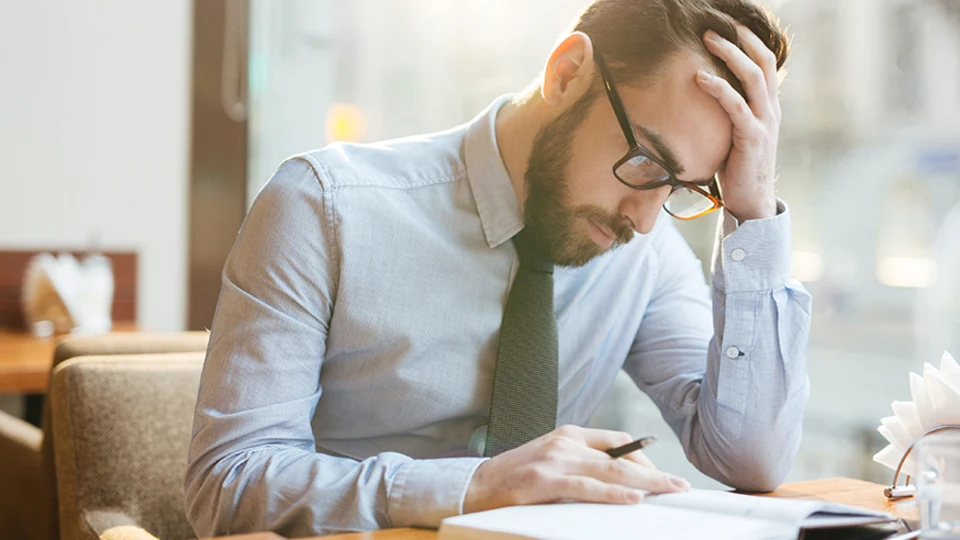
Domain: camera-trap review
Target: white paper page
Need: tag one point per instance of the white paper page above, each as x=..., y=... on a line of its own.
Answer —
x=829, y=521
x=788, y=511
x=591, y=521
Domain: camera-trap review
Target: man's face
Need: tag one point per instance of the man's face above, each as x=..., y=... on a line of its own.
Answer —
x=575, y=204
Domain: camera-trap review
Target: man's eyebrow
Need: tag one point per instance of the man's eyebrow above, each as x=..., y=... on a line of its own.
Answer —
x=667, y=155
x=661, y=147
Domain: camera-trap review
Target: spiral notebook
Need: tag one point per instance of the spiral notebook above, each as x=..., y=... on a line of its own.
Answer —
x=694, y=514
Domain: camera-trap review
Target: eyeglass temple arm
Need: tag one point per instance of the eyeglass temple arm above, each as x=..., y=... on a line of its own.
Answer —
x=614, y=96
x=715, y=189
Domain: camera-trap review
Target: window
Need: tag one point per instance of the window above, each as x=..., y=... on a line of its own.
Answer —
x=875, y=199
x=905, y=39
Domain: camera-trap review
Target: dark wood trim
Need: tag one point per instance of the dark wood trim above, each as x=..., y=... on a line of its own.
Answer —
x=218, y=161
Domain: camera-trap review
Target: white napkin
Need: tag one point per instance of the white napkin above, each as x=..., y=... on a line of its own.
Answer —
x=936, y=402
x=76, y=296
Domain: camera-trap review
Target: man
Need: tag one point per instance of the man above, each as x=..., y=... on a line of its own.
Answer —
x=402, y=326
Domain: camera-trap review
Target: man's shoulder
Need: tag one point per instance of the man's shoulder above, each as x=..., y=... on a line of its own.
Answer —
x=406, y=163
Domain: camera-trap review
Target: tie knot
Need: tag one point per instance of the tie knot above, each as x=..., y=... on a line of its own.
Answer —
x=531, y=254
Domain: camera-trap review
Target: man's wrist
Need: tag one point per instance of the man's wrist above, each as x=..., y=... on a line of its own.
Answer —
x=474, y=499
x=752, y=256
x=424, y=492
x=766, y=209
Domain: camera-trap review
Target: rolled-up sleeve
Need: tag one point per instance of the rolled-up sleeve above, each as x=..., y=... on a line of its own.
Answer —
x=253, y=464
x=729, y=375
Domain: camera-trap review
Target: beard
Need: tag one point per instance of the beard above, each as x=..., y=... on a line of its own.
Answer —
x=550, y=217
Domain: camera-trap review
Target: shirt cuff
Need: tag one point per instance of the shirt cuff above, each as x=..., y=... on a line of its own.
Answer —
x=425, y=492
x=753, y=255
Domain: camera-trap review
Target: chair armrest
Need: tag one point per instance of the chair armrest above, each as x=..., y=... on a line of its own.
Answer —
x=25, y=500
x=18, y=436
x=109, y=525
x=126, y=532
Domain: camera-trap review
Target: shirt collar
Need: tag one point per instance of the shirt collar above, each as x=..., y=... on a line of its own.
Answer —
x=497, y=202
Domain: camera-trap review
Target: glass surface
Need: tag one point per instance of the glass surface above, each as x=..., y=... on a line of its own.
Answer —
x=868, y=162
x=938, y=485
x=641, y=170
x=687, y=202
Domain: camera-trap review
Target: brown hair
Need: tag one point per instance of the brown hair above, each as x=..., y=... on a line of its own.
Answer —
x=636, y=36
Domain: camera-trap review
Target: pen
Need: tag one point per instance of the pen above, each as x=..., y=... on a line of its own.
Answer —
x=621, y=451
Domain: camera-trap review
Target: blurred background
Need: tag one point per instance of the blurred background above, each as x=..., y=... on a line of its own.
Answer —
x=149, y=127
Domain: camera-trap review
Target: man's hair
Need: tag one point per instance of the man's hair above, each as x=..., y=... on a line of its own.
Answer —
x=635, y=37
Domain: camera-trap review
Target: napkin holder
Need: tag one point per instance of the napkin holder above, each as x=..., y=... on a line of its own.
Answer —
x=894, y=491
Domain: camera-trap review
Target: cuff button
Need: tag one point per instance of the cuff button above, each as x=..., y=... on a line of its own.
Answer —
x=478, y=441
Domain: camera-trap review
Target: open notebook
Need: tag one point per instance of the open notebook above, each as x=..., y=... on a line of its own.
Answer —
x=696, y=514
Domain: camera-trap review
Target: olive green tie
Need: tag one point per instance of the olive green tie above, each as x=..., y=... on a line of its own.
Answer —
x=524, y=403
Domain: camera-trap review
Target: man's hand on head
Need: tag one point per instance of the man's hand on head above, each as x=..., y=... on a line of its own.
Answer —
x=746, y=182
x=569, y=463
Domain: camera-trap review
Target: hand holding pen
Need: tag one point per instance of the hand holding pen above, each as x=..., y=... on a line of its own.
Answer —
x=569, y=463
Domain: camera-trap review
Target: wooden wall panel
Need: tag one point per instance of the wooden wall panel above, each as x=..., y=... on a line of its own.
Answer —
x=218, y=157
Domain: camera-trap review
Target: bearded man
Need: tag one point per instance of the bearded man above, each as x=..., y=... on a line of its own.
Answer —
x=403, y=326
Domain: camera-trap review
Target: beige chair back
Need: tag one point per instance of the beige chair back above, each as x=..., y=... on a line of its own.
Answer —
x=121, y=432
x=117, y=343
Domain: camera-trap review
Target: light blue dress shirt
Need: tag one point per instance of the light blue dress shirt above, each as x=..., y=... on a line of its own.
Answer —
x=350, y=367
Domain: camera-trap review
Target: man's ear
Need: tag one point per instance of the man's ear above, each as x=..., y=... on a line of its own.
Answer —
x=569, y=71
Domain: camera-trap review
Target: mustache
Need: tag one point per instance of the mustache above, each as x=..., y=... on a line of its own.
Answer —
x=615, y=224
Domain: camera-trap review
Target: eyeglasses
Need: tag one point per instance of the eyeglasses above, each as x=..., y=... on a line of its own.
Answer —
x=640, y=169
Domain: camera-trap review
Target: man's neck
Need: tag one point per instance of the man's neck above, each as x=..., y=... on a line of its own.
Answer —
x=517, y=124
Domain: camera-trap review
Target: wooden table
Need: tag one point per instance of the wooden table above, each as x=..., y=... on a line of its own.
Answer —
x=25, y=360
x=846, y=491
x=840, y=490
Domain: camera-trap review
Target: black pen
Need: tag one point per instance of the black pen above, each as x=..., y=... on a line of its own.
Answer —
x=621, y=451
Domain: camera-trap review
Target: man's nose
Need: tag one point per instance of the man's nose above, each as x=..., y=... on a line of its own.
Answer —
x=643, y=207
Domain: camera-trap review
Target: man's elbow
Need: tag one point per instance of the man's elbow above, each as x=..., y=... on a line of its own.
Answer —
x=754, y=463
x=761, y=460
x=761, y=466
x=201, y=488
x=760, y=478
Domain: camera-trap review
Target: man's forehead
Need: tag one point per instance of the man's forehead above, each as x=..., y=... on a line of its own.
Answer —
x=686, y=127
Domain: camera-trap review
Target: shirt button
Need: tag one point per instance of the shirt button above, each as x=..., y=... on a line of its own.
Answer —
x=733, y=352
x=478, y=441
x=738, y=254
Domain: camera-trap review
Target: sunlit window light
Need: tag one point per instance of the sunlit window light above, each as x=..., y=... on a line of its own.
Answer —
x=807, y=266
x=913, y=272
x=345, y=122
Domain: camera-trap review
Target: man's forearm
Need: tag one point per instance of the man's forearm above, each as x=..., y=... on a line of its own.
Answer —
x=750, y=440
x=750, y=407
x=299, y=492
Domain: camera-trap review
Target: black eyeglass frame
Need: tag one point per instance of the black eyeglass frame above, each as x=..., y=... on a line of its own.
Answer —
x=636, y=149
